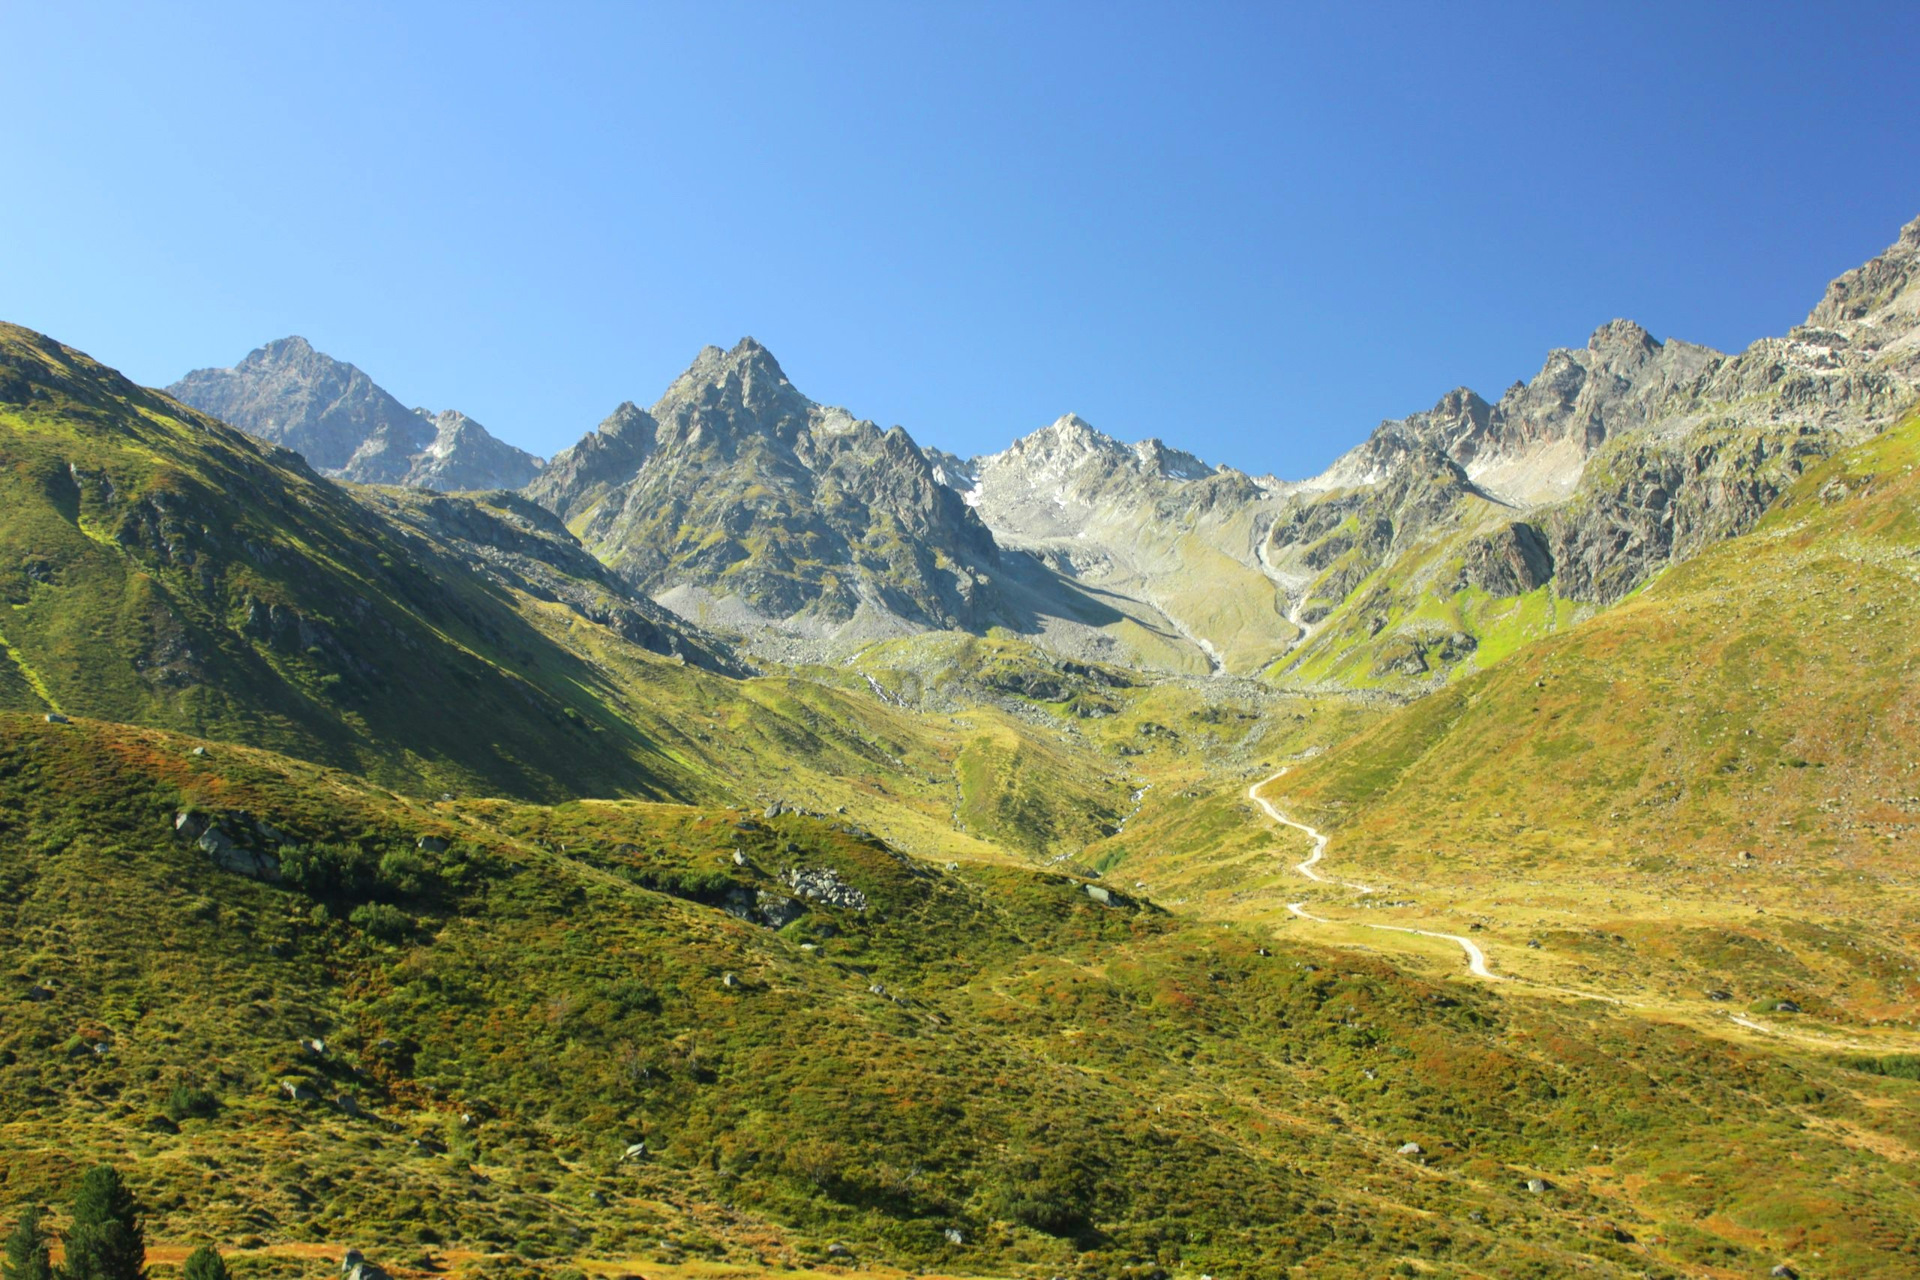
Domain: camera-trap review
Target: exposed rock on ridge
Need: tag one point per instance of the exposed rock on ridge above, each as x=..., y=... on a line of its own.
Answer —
x=737, y=500
x=347, y=426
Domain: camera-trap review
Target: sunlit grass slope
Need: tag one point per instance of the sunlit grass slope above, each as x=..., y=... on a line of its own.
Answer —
x=1071, y=1088
x=1714, y=785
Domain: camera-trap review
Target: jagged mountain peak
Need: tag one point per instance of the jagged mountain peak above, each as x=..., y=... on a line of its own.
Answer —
x=732, y=393
x=1884, y=282
x=1627, y=338
x=1169, y=463
x=293, y=346
x=1067, y=437
x=347, y=425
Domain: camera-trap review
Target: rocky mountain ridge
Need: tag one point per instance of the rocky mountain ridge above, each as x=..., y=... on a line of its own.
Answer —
x=348, y=427
x=740, y=503
x=735, y=499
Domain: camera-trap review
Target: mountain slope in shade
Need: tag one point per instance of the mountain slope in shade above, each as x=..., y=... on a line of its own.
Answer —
x=347, y=426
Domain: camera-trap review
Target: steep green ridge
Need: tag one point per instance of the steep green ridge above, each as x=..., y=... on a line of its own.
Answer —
x=1070, y=1088
x=1720, y=770
x=159, y=567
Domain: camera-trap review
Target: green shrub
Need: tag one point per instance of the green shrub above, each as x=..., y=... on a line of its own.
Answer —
x=328, y=870
x=381, y=920
x=185, y=1102
x=205, y=1263
x=1900, y=1066
x=403, y=874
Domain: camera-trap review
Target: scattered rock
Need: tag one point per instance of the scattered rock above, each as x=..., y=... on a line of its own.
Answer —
x=297, y=1090
x=823, y=884
x=878, y=989
x=635, y=1150
x=54, y=717
x=198, y=752
x=839, y=1251
x=739, y=858
x=1784, y=1272
x=729, y=979
x=354, y=1266
x=1538, y=1185
x=1410, y=1149
x=430, y=844
x=37, y=994
x=1719, y=994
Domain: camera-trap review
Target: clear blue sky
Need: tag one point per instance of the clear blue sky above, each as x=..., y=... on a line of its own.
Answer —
x=1253, y=230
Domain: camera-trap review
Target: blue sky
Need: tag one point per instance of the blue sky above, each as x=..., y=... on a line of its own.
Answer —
x=1252, y=230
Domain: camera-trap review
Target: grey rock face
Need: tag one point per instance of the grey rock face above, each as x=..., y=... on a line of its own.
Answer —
x=736, y=494
x=347, y=426
x=1509, y=562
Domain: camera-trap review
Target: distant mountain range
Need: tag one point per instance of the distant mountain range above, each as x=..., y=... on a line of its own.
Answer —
x=1442, y=539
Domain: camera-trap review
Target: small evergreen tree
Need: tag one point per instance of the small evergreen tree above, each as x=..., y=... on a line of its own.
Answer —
x=205, y=1263
x=27, y=1250
x=106, y=1240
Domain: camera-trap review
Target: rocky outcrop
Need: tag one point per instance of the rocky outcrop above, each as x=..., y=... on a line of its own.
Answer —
x=347, y=426
x=1650, y=501
x=234, y=842
x=1508, y=562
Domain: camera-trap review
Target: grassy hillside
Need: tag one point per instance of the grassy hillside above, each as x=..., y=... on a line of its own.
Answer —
x=1710, y=787
x=1071, y=1088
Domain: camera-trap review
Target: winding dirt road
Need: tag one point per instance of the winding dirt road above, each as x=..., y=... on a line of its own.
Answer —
x=1476, y=958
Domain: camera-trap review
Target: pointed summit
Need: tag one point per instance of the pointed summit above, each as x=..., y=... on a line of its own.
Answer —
x=726, y=394
x=346, y=425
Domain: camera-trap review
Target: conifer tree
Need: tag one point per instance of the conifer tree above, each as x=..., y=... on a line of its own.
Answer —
x=106, y=1240
x=205, y=1263
x=27, y=1257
